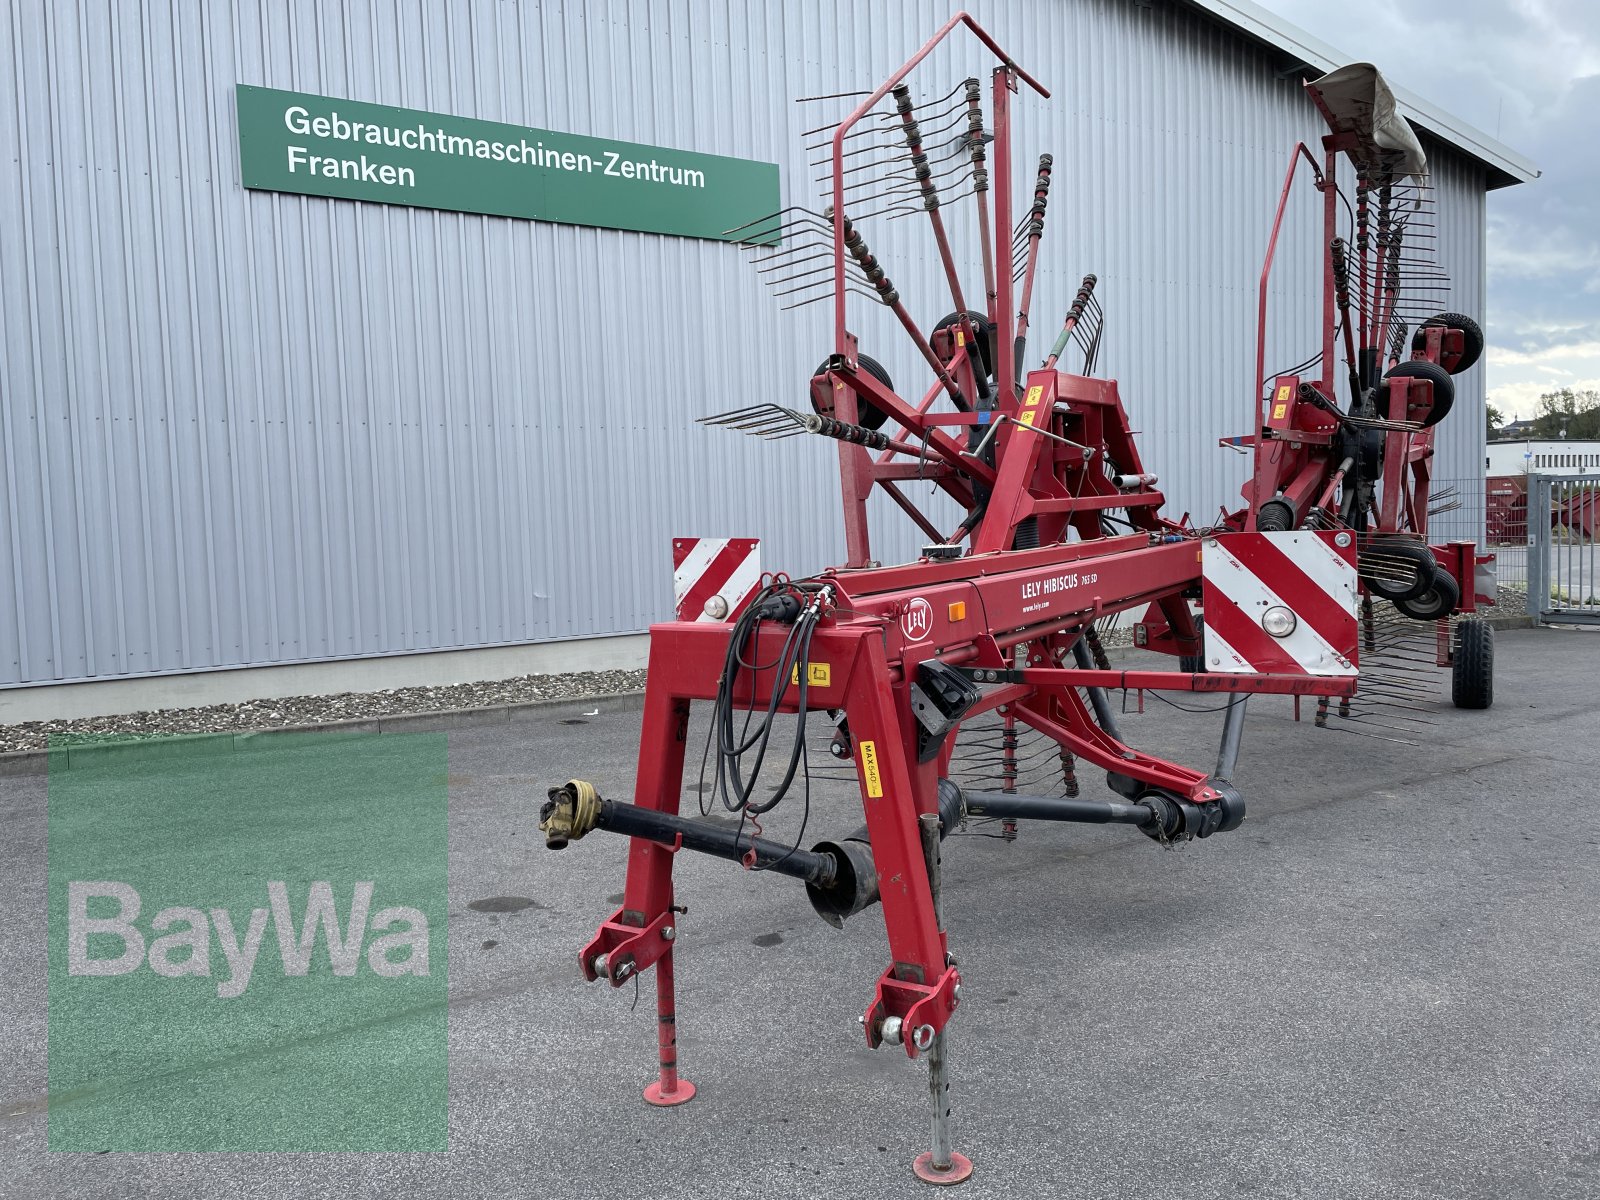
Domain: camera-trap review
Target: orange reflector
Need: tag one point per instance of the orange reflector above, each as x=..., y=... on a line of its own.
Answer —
x=958, y=610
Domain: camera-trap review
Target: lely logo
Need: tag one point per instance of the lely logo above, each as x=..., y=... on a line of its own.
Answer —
x=917, y=620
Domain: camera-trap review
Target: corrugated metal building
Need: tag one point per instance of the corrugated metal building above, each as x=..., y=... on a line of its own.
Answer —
x=245, y=428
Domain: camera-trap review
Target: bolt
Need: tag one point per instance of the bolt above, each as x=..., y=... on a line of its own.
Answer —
x=956, y=991
x=862, y=1019
x=1341, y=539
x=668, y=933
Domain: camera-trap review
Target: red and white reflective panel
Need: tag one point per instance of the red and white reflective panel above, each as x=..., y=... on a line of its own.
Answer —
x=713, y=578
x=1280, y=603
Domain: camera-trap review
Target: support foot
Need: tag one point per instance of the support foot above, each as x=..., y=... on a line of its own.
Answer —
x=959, y=1170
x=657, y=1094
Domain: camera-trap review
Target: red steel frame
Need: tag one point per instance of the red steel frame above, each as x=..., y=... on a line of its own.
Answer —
x=983, y=608
x=997, y=607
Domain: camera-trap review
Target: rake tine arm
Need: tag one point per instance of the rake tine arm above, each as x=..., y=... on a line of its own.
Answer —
x=930, y=193
x=1074, y=315
x=891, y=299
x=1041, y=195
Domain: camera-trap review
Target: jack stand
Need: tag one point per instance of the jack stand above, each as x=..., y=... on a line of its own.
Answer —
x=940, y=1165
x=1232, y=732
x=667, y=1090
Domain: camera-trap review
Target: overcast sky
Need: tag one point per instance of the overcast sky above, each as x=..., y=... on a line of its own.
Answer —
x=1528, y=73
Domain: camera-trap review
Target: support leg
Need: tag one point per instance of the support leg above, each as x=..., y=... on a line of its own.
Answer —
x=940, y=1164
x=640, y=934
x=667, y=1089
x=1232, y=732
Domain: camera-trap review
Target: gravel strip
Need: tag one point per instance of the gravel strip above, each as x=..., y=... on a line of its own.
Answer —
x=1511, y=601
x=312, y=710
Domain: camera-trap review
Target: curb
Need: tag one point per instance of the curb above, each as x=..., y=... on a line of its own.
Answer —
x=1523, y=622
x=42, y=762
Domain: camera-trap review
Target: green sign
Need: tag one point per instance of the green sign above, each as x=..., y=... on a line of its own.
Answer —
x=320, y=146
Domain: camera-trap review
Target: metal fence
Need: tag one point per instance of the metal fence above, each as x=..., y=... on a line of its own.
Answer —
x=1563, y=559
x=1462, y=510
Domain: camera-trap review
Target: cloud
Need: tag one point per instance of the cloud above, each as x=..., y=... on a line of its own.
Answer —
x=1521, y=400
x=1501, y=356
x=1517, y=378
x=1520, y=250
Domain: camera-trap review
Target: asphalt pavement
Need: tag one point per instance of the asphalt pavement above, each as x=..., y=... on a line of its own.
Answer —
x=1385, y=984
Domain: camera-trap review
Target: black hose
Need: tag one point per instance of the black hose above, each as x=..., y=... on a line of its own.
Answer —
x=778, y=602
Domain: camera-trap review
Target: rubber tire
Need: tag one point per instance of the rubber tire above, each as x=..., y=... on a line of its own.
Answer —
x=870, y=417
x=1194, y=664
x=1275, y=516
x=1472, y=673
x=1444, y=389
x=983, y=346
x=1472, y=342
x=1441, y=599
x=1389, y=589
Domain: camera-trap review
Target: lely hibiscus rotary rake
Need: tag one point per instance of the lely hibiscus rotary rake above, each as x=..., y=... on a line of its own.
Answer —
x=940, y=679
x=1365, y=465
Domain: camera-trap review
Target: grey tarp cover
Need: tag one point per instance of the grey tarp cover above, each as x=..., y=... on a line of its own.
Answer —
x=1360, y=101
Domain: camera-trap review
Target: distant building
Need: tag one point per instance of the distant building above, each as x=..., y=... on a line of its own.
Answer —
x=1520, y=456
x=1515, y=430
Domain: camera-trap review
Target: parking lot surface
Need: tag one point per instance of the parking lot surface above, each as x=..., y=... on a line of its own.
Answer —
x=1385, y=984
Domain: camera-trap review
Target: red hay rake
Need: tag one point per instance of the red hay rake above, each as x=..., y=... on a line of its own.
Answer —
x=995, y=626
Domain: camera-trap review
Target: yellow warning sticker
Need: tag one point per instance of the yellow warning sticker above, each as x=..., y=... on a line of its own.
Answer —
x=1034, y=393
x=1283, y=394
x=961, y=338
x=817, y=674
x=869, y=769
x=1027, y=416
x=1278, y=410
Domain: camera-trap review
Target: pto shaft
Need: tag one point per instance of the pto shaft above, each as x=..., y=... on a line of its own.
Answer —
x=577, y=808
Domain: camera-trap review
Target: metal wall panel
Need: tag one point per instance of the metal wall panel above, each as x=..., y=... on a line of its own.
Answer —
x=248, y=428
